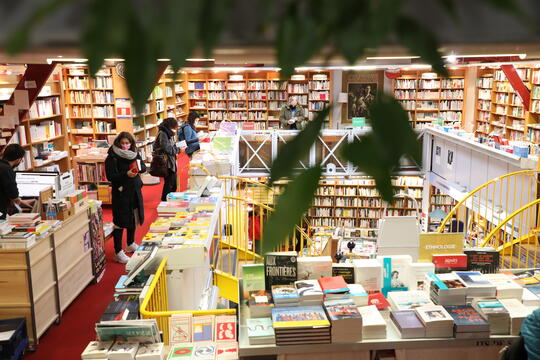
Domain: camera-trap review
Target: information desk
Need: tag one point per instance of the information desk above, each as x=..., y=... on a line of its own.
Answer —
x=426, y=347
x=40, y=282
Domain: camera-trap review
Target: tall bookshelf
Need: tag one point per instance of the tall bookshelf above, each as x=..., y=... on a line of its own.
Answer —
x=484, y=87
x=533, y=123
x=43, y=132
x=441, y=201
x=429, y=99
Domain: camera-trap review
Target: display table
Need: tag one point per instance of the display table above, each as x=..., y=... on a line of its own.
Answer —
x=40, y=282
x=425, y=348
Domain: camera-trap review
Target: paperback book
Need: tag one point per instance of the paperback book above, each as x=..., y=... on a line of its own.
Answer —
x=408, y=324
x=260, y=304
x=345, y=270
x=280, y=268
x=260, y=331
x=252, y=278
x=314, y=267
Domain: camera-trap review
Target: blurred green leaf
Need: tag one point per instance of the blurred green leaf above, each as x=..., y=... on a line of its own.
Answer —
x=105, y=31
x=505, y=5
x=182, y=30
x=212, y=19
x=295, y=150
x=379, y=152
x=421, y=42
x=291, y=206
x=18, y=40
x=451, y=8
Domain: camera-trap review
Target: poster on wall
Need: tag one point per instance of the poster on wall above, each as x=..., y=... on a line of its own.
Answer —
x=438, y=155
x=123, y=108
x=360, y=95
x=450, y=160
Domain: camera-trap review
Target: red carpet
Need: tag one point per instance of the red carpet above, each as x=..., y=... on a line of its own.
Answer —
x=67, y=340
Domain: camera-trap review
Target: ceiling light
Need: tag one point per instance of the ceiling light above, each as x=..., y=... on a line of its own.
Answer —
x=195, y=59
x=452, y=59
x=391, y=57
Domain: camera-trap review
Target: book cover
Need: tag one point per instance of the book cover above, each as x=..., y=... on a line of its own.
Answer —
x=378, y=300
x=282, y=293
x=261, y=327
x=406, y=319
x=204, y=351
x=342, y=311
x=225, y=328
x=123, y=350
x=314, y=267
x=181, y=351
x=252, y=278
x=280, y=268
x=407, y=300
x=371, y=316
x=482, y=260
x=96, y=349
x=467, y=318
x=150, y=352
x=299, y=317
x=261, y=298
x=308, y=288
x=394, y=272
x=227, y=350
x=473, y=278
x=345, y=270
x=368, y=273
x=433, y=313
x=490, y=306
x=203, y=328
x=449, y=262
x=333, y=285
x=180, y=328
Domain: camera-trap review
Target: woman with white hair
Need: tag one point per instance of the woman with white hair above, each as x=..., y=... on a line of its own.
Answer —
x=292, y=115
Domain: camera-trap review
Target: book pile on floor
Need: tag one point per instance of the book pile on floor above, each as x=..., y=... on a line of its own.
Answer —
x=301, y=325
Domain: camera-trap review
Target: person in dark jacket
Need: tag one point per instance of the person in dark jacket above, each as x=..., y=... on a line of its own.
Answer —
x=292, y=115
x=188, y=133
x=166, y=145
x=9, y=193
x=123, y=166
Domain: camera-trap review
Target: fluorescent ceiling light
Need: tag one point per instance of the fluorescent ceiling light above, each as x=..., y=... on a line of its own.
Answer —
x=420, y=66
x=195, y=59
x=50, y=61
x=233, y=68
x=391, y=57
x=521, y=56
x=114, y=60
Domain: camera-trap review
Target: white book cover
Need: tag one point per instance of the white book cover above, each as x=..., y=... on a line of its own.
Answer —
x=408, y=300
x=368, y=273
x=204, y=351
x=395, y=270
x=180, y=328
x=150, y=352
x=430, y=314
x=314, y=267
x=416, y=275
x=529, y=298
x=308, y=288
x=358, y=294
x=506, y=287
x=122, y=350
x=372, y=321
x=96, y=350
x=518, y=312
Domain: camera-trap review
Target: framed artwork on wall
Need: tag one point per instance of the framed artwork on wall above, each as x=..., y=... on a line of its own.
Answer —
x=360, y=95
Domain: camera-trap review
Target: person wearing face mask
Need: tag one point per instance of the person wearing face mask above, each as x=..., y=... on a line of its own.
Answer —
x=188, y=133
x=122, y=167
x=9, y=193
x=292, y=115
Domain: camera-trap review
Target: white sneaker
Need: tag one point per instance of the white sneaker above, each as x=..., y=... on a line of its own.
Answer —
x=121, y=257
x=132, y=248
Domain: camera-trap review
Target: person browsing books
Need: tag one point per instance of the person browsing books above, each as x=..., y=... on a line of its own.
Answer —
x=292, y=115
x=9, y=193
x=122, y=167
x=187, y=135
x=165, y=145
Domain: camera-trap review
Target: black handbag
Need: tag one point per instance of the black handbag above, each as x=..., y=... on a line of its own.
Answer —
x=158, y=166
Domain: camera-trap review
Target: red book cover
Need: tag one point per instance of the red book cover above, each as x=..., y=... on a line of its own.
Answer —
x=448, y=263
x=378, y=300
x=134, y=166
x=333, y=285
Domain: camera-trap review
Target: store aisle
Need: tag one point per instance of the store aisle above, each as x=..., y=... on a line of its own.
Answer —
x=76, y=329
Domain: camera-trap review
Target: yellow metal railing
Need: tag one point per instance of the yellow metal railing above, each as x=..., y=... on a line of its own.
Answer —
x=516, y=238
x=487, y=206
x=156, y=304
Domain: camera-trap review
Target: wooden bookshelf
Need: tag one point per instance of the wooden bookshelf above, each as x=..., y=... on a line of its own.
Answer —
x=484, y=86
x=43, y=133
x=438, y=200
x=430, y=99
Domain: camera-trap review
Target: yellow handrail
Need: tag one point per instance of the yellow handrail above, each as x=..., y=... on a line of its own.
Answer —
x=477, y=190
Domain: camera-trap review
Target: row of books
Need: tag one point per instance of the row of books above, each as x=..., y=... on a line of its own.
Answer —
x=45, y=107
x=345, y=222
x=45, y=130
x=188, y=328
x=120, y=350
x=91, y=172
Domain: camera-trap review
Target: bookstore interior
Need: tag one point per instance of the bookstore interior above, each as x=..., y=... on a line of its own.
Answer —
x=449, y=267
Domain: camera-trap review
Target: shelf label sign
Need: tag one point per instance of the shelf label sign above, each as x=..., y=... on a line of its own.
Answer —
x=358, y=121
x=123, y=108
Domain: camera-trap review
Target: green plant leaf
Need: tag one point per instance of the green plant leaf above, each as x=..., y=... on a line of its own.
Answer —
x=105, y=31
x=378, y=153
x=296, y=149
x=421, y=42
x=505, y=5
x=182, y=30
x=212, y=19
x=291, y=206
x=18, y=39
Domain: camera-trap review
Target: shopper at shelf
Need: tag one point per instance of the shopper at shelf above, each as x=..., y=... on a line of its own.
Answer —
x=292, y=115
x=165, y=145
x=123, y=166
x=187, y=135
x=9, y=193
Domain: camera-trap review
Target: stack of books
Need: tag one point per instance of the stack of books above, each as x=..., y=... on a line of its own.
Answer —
x=285, y=295
x=446, y=289
x=408, y=324
x=96, y=350
x=506, y=287
x=495, y=313
x=260, y=304
x=477, y=284
x=24, y=219
x=5, y=227
x=407, y=300
x=346, y=321
x=334, y=288
x=437, y=321
x=309, y=292
x=148, y=351
x=373, y=324
x=145, y=330
x=358, y=294
x=368, y=273
x=517, y=312
x=301, y=325
x=170, y=208
x=17, y=240
x=260, y=331
x=468, y=323
x=123, y=350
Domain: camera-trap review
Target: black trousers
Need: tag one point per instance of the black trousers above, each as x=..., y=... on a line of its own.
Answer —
x=169, y=185
x=117, y=236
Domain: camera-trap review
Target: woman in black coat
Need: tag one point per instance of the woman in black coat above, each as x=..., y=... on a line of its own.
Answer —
x=165, y=144
x=123, y=166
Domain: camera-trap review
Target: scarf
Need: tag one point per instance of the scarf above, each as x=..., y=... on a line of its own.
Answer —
x=124, y=154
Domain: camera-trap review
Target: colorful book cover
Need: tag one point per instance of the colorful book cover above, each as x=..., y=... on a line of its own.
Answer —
x=299, y=317
x=284, y=292
x=204, y=351
x=180, y=328
x=181, y=351
x=314, y=267
x=261, y=298
x=227, y=350
x=252, y=278
x=449, y=262
x=225, y=328
x=473, y=278
x=465, y=315
x=280, y=268
x=394, y=272
x=485, y=261
x=491, y=307
x=333, y=285
x=203, y=328
x=345, y=270
x=342, y=311
x=308, y=288
x=378, y=300
x=261, y=327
